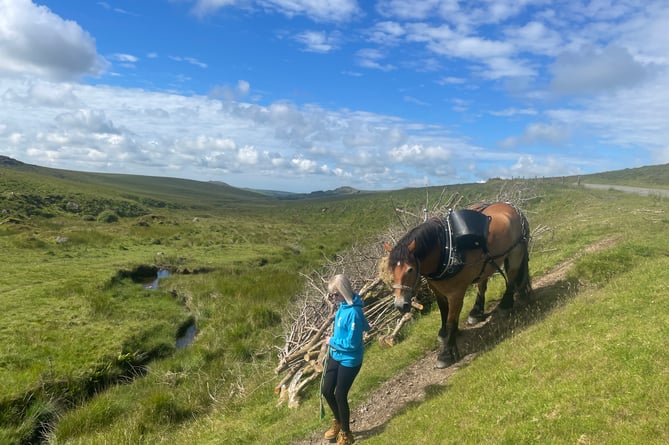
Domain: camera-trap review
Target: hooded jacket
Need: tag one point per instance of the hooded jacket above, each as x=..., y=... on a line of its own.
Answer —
x=346, y=342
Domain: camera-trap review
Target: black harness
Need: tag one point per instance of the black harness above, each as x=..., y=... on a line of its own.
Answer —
x=450, y=260
x=464, y=230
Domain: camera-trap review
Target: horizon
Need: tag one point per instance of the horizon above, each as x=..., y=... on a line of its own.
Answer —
x=300, y=96
x=338, y=187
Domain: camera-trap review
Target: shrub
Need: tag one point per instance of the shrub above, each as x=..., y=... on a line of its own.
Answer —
x=108, y=216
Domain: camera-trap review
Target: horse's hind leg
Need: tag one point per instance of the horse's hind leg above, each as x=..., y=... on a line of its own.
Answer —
x=507, y=299
x=517, y=274
x=477, y=314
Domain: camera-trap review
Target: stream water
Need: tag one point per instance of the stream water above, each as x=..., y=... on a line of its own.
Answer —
x=187, y=336
x=162, y=273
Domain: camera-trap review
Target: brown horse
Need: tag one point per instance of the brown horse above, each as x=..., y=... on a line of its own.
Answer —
x=452, y=252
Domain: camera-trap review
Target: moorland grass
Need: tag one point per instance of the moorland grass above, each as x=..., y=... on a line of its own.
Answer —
x=220, y=389
x=75, y=323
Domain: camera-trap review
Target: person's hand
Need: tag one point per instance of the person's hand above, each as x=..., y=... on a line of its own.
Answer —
x=327, y=339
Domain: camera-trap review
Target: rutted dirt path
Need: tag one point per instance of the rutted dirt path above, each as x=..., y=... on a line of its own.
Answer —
x=411, y=385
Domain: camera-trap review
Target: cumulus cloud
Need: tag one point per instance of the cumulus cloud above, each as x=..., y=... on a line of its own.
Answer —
x=386, y=33
x=34, y=41
x=591, y=71
x=539, y=134
x=110, y=128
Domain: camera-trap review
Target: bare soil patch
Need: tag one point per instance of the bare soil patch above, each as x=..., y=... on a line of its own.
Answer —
x=420, y=379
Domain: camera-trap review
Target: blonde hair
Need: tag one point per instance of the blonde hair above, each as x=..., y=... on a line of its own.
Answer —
x=340, y=283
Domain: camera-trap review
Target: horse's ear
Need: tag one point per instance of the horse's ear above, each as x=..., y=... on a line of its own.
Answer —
x=387, y=246
x=412, y=246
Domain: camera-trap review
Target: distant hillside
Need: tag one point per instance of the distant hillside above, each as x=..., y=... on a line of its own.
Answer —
x=340, y=191
x=150, y=185
x=653, y=176
x=29, y=190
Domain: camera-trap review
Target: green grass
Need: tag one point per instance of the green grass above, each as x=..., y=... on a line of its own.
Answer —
x=89, y=355
x=656, y=176
x=592, y=371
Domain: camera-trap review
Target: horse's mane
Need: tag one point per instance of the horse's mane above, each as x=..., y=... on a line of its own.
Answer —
x=423, y=234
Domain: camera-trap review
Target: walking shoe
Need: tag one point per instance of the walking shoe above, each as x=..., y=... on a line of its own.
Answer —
x=332, y=433
x=345, y=438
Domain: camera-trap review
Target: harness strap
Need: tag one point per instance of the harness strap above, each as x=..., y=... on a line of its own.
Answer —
x=448, y=259
x=491, y=259
x=403, y=286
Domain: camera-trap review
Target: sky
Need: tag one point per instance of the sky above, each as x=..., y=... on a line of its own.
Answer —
x=308, y=95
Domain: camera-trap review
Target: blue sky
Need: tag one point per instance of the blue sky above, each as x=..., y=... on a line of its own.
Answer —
x=305, y=95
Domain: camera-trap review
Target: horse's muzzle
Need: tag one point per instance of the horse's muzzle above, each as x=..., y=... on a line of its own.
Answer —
x=403, y=303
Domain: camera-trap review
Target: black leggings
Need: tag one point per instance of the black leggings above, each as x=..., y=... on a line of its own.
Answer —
x=340, y=378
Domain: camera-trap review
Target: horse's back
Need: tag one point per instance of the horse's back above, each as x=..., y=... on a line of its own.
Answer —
x=506, y=226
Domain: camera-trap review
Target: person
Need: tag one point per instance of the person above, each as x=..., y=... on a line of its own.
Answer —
x=345, y=356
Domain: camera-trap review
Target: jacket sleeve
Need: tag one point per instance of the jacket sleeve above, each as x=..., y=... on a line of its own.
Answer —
x=352, y=340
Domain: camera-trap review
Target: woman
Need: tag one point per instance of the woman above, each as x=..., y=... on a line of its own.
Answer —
x=345, y=356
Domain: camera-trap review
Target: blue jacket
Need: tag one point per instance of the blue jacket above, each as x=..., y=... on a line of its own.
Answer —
x=346, y=342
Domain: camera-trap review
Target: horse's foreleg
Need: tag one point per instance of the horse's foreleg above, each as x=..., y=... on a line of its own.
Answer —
x=449, y=353
x=442, y=302
x=477, y=314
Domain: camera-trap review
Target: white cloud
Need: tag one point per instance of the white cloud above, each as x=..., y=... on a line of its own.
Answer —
x=189, y=60
x=34, y=41
x=371, y=58
x=592, y=70
x=129, y=58
x=386, y=33
x=408, y=10
x=317, y=41
x=322, y=11
x=42, y=94
x=89, y=121
x=539, y=134
x=627, y=118
x=535, y=37
x=515, y=112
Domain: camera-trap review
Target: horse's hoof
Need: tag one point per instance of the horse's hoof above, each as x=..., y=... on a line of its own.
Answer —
x=476, y=319
x=444, y=360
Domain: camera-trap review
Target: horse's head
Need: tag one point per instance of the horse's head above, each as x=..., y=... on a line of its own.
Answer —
x=404, y=273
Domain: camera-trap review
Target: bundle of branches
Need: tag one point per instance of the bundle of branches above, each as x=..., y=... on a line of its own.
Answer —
x=311, y=319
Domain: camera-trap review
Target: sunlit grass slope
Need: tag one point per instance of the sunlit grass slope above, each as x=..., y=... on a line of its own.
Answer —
x=650, y=176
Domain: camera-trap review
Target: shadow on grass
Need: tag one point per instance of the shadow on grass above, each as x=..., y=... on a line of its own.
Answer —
x=472, y=340
x=500, y=324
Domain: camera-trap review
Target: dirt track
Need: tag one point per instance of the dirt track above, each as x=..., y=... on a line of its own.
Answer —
x=370, y=417
x=643, y=191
